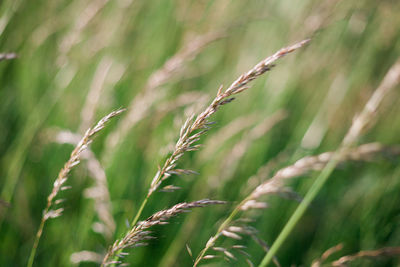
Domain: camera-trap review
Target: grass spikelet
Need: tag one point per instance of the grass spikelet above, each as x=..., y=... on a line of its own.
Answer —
x=276, y=184
x=343, y=261
x=50, y=211
x=65, y=62
x=360, y=125
x=368, y=254
x=326, y=255
x=194, y=128
x=99, y=191
x=139, y=234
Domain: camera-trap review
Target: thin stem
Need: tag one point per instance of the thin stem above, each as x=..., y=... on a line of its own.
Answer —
x=188, y=136
x=360, y=125
x=138, y=233
x=62, y=178
x=136, y=219
x=212, y=240
x=311, y=194
x=36, y=243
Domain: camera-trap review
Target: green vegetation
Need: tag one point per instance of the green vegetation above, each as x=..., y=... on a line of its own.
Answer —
x=164, y=61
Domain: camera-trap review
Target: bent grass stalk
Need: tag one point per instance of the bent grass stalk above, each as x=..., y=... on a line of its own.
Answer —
x=224, y=225
x=226, y=169
x=193, y=129
x=139, y=234
x=343, y=261
x=326, y=172
x=62, y=177
x=98, y=192
x=360, y=124
x=369, y=254
x=299, y=168
x=41, y=111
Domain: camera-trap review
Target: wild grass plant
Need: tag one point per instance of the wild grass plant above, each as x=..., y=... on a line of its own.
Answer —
x=301, y=169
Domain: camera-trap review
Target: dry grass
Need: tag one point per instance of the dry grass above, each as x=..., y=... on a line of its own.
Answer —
x=361, y=123
x=277, y=185
x=190, y=133
x=369, y=254
x=139, y=234
x=50, y=210
x=99, y=191
x=343, y=261
x=107, y=46
x=301, y=167
x=193, y=129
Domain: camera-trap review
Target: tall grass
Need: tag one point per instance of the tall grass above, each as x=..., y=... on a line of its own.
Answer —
x=360, y=125
x=51, y=211
x=63, y=64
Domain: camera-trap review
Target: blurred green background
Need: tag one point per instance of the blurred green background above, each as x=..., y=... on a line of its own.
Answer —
x=66, y=49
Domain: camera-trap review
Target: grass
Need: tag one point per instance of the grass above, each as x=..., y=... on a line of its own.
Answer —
x=78, y=60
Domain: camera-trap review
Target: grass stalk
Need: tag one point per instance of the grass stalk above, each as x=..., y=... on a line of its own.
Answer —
x=139, y=233
x=193, y=129
x=211, y=241
x=311, y=194
x=49, y=211
x=140, y=210
x=360, y=125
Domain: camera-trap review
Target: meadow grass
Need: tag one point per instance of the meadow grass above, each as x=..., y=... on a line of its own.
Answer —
x=65, y=64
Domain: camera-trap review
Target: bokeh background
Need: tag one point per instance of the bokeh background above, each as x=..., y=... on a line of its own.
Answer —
x=79, y=60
